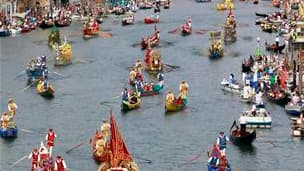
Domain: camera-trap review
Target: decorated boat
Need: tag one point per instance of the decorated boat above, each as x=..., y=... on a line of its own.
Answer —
x=259, y=118
x=176, y=104
x=128, y=18
x=238, y=138
x=121, y=158
x=54, y=37
x=133, y=102
x=232, y=88
x=153, y=89
x=227, y=4
x=45, y=89
x=153, y=61
x=215, y=49
x=293, y=109
x=279, y=97
x=91, y=29
x=64, y=55
x=152, y=19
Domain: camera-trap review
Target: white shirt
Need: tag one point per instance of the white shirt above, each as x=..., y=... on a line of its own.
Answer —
x=277, y=39
x=105, y=126
x=242, y=120
x=258, y=98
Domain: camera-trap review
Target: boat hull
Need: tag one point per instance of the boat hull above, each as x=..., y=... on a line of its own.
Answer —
x=48, y=93
x=127, y=106
x=293, y=110
x=212, y=168
x=8, y=133
x=243, y=140
x=173, y=107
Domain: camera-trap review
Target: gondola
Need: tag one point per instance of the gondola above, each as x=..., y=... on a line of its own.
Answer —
x=261, y=14
x=238, y=139
x=133, y=103
x=280, y=99
x=232, y=88
x=293, y=110
x=200, y=1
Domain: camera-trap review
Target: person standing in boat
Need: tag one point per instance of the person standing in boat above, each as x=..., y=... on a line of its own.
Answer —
x=12, y=107
x=170, y=97
x=243, y=123
x=125, y=94
x=60, y=164
x=35, y=159
x=214, y=156
x=4, y=120
x=105, y=129
x=183, y=88
x=232, y=79
x=258, y=98
x=221, y=141
x=50, y=138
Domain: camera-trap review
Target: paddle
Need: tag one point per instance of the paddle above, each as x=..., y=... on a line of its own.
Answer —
x=112, y=98
x=172, y=66
x=145, y=160
x=30, y=85
x=18, y=161
x=74, y=147
x=173, y=31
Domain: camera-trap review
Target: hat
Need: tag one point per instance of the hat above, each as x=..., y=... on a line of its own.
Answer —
x=221, y=132
x=58, y=157
x=10, y=100
x=104, y=120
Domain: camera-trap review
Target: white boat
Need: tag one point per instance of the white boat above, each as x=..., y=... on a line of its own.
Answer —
x=258, y=119
x=229, y=87
x=293, y=110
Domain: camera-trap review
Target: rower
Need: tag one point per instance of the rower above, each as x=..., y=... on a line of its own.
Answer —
x=183, y=88
x=105, y=129
x=4, y=120
x=50, y=138
x=258, y=98
x=214, y=156
x=125, y=95
x=243, y=123
x=221, y=141
x=12, y=107
x=160, y=77
x=132, y=75
x=138, y=85
x=35, y=159
x=170, y=97
x=60, y=164
x=232, y=79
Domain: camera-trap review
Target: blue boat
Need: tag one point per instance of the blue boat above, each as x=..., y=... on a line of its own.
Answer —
x=8, y=132
x=4, y=33
x=215, y=54
x=293, y=110
x=214, y=168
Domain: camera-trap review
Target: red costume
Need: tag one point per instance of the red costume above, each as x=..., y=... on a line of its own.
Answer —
x=35, y=157
x=60, y=164
x=50, y=138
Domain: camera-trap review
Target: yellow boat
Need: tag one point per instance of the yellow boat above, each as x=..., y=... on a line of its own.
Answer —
x=174, y=106
x=133, y=103
x=45, y=92
x=64, y=55
x=227, y=4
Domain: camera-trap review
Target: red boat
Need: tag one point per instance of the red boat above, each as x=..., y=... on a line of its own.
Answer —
x=91, y=30
x=153, y=39
x=121, y=158
x=152, y=19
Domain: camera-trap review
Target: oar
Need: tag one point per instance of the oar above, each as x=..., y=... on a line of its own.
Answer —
x=58, y=74
x=18, y=161
x=146, y=160
x=27, y=131
x=30, y=85
x=173, y=31
x=74, y=147
x=172, y=66
x=20, y=74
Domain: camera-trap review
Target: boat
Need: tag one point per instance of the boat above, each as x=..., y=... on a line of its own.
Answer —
x=91, y=29
x=4, y=32
x=176, y=105
x=152, y=89
x=152, y=19
x=279, y=98
x=120, y=154
x=128, y=19
x=186, y=29
x=54, y=37
x=64, y=55
x=63, y=23
x=240, y=139
x=294, y=110
x=45, y=91
x=46, y=24
x=232, y=88
x=215, y=49
x=11, y=131
x=227, y=4
x=133, y=102
x=153, y=40
x=260, y=118
x=261, y=15
x=153, y=62
x=274, y=48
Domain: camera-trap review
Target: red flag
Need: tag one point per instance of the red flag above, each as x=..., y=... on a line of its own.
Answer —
x=117, y=144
